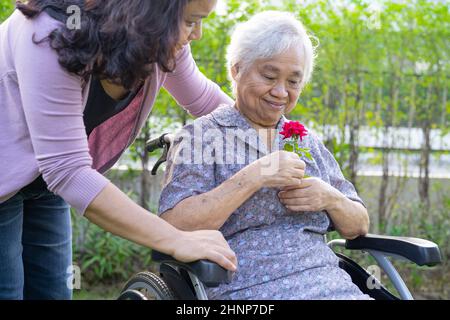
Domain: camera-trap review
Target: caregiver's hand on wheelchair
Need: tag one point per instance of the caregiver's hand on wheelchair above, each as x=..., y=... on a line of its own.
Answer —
x=204, y=244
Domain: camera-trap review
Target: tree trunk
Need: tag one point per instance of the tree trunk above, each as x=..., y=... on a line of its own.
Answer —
x=412, y=109
x=344, y=105
x=354, y=135
x=444, y=113
x=382, y=200
x=145, y=175
x=411, y=116
x=383, y=205
x=353, y=160
x=424, y=180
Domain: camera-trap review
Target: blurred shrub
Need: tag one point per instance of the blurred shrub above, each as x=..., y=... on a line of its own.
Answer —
x=6, y=7
x=103, y=257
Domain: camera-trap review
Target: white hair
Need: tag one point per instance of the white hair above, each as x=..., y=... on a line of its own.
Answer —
x=266, y=35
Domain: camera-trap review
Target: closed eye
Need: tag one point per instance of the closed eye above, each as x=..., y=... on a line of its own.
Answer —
x=269, y=77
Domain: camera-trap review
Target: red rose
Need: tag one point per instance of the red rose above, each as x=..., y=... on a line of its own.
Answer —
x=295, y=129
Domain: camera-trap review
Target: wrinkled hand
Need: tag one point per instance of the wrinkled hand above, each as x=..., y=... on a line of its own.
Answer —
x=205, y=244
x=313, y=194
x=281, y=169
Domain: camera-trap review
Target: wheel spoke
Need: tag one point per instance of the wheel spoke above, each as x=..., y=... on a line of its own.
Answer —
x=150, y=286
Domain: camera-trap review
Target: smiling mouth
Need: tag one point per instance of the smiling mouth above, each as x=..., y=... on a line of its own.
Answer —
x=275, y=105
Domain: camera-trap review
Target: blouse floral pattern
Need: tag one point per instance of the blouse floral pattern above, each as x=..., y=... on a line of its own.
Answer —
x=281, y=254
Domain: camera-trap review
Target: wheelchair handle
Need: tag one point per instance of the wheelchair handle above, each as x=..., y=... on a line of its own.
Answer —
x=163, y=142
x=157, y=143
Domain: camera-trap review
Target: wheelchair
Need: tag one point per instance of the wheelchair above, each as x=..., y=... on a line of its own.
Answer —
x=187, y=281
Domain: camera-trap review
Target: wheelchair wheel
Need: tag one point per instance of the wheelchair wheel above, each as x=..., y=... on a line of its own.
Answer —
x=146, y=286
x=132, y=295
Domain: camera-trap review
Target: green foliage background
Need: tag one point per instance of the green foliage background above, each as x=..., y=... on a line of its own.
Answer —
x=6, y=6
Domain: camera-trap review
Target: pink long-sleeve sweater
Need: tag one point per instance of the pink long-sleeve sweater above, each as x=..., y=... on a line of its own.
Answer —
x=41, y=115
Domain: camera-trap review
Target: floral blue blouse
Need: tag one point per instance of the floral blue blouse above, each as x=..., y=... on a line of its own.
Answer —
x=281, y=254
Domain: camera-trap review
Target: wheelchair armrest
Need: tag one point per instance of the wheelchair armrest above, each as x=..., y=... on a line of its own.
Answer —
x=210, y=273
x=419, y=251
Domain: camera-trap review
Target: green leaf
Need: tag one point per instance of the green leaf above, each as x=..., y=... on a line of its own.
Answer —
x=288, y=147
x=87, y=263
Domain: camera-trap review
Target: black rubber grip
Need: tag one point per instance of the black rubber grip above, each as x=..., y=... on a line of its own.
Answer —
x=157, y=143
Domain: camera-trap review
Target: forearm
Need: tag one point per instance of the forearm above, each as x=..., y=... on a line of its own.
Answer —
x=192, y=89
x=349, y=217
x=212, y=209
x=113, y=211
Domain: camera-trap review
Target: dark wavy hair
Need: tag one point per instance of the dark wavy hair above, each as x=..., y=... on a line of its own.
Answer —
x=119, y=40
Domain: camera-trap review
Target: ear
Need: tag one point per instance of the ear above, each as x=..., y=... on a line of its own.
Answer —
x=235, y=72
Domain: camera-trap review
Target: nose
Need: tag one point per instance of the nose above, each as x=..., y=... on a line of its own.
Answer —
x=279, y=90
x=196, y=33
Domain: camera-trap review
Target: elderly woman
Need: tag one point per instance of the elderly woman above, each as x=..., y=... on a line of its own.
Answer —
x=226, y=172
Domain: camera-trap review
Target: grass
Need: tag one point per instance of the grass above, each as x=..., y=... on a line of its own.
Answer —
x=98, y=292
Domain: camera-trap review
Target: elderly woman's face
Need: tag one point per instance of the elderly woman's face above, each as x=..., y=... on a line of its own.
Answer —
x=270, y=87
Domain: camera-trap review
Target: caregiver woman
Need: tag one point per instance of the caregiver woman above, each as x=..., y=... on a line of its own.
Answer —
x=71, y=102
